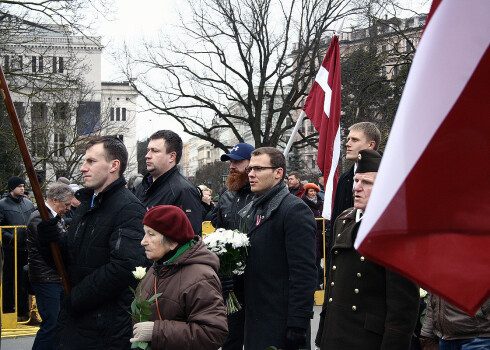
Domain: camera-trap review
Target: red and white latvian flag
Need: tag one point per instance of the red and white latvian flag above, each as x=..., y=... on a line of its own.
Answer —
x=322, y=106
x=428, y=217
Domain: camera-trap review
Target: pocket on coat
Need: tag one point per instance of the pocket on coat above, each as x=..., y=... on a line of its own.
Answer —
x=374, y=324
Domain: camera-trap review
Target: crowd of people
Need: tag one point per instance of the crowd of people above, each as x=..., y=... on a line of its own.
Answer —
x=105, y=231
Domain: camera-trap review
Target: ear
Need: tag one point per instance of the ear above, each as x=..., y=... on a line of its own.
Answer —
x=173, y=156
x=279, y=173
x=115, y=165
x=372, y=144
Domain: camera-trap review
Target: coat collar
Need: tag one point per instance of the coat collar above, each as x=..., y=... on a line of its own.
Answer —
x=86, y=194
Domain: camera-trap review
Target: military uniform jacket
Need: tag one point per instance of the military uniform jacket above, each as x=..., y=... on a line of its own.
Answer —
x=366, y=305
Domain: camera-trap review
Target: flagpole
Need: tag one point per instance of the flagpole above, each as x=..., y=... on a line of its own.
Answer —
x=293, y=134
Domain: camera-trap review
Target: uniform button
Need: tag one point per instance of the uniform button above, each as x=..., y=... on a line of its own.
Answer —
x=343, y=222
x=338, y=235
x=336, y=252
x=354, y=308
x=332, y=284
x=330, y=300
x=334, y=267
x=358, y=275
x=356, y=291
x=362, y=258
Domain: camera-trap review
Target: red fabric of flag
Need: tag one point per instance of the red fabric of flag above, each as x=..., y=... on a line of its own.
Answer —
x=322, y=107
x=428, y=216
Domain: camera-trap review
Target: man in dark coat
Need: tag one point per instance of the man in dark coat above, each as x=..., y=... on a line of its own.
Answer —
x=295, y=186
x=280, y=273
x=15, y=210
x=164, y=185
x=100, y=251
x=225, y=215
x=366, y=305
x=364, y=135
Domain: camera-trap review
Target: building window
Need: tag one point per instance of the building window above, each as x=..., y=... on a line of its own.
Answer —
x=383, y=71
x=112, y=114
x=60, y=111
x=38, y=111
x=34, y=64
x=59, y=145
x=20, y=109
x=6, y=62
x=118, y=114
x=123, y=115
x=16, y=63
x=41, y=64
x=58, y=66
x=395, y=71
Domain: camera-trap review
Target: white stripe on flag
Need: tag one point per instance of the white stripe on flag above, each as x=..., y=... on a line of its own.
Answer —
x=327, y=203
x=322, y=80
x=450, y=49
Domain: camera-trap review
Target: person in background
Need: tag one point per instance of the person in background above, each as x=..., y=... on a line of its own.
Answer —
x=237, y=195
x=45, y=280
x=207, y=207
x=321, y=186
x=448, y=328
x=190, y=313
x=295, y=186
x=15, y=209
x=164, y=184
x=315, y=203
x=73, y=206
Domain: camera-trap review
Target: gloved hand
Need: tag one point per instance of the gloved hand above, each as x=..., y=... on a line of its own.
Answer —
x=142, y=331
x=227, y=284
x=47, y=230
x=295, y=338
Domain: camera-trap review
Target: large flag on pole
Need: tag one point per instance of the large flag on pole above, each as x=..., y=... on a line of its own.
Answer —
x=322, y=106
x=428, y=217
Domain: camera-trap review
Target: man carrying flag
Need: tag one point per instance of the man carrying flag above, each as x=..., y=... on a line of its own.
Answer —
x=364, y=299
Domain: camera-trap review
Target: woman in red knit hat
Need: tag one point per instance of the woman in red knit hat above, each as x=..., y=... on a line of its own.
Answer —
x=190, y=313
x=313, y=200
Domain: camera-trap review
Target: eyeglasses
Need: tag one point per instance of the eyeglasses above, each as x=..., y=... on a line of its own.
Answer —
x=258, y=169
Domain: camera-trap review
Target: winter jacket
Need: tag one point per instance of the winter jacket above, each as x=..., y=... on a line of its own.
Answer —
x=101, y=250
x=317, y=209
x=40, y=271
x=366, y=305
x=15, y=211
x=193, y=314
x=280, y=272
x=172, y=188
x=229, y=204
x=447, y=322
x=298, y=191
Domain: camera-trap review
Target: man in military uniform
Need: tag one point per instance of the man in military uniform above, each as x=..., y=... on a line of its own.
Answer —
x=366, y=305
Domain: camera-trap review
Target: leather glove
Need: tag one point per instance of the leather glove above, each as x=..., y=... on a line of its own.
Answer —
x=47, y=230
x=142, y=331
x=295, y=338
x=227, y=284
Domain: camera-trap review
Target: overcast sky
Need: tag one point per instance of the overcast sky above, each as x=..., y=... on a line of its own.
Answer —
x=131, y=21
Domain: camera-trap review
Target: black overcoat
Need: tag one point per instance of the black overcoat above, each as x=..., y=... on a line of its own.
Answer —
x=102, y=248
x=366, y=305
x=280, y=275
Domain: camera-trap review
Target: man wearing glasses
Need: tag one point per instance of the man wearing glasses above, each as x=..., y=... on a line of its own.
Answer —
x=280, y=275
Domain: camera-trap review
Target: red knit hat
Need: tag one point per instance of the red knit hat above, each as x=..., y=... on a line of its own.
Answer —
x=171, y=222
x=313, y=186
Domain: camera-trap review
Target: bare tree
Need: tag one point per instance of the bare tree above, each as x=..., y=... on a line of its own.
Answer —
x=235, y=67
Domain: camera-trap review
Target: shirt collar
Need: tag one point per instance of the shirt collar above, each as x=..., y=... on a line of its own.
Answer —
x=51, y=210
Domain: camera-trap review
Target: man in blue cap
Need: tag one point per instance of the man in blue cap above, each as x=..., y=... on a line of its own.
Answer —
x=225, y=215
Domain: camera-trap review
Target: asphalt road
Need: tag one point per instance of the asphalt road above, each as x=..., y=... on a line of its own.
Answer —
x=25, y=343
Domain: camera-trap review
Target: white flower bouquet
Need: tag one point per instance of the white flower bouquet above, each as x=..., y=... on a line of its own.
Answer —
x=231, y=247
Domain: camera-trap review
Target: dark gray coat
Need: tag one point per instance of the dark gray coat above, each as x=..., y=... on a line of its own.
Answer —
x=15, y=211
x=366, y=305
x=280, y=275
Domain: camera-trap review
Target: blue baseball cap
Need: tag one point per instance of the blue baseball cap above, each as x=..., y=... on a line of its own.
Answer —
x=239, y=152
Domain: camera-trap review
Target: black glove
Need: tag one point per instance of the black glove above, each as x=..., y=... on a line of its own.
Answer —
x=295, y=338
x=226, y=284
x=47, y=230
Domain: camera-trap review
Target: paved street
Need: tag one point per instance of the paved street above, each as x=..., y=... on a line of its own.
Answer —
x=25, y=343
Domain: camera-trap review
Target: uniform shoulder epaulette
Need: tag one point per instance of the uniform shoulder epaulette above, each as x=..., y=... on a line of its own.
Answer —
x=347, y=214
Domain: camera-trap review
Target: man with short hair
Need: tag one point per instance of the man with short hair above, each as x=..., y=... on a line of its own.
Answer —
x=164, y=185
x=366, y=306
x=225, y=215
x=296, y=188
x=100, y=251
x=15, y=209
x=44, y=279
x=280, y=272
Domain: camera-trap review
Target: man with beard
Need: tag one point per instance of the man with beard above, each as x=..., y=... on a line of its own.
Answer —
x=225, y=215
